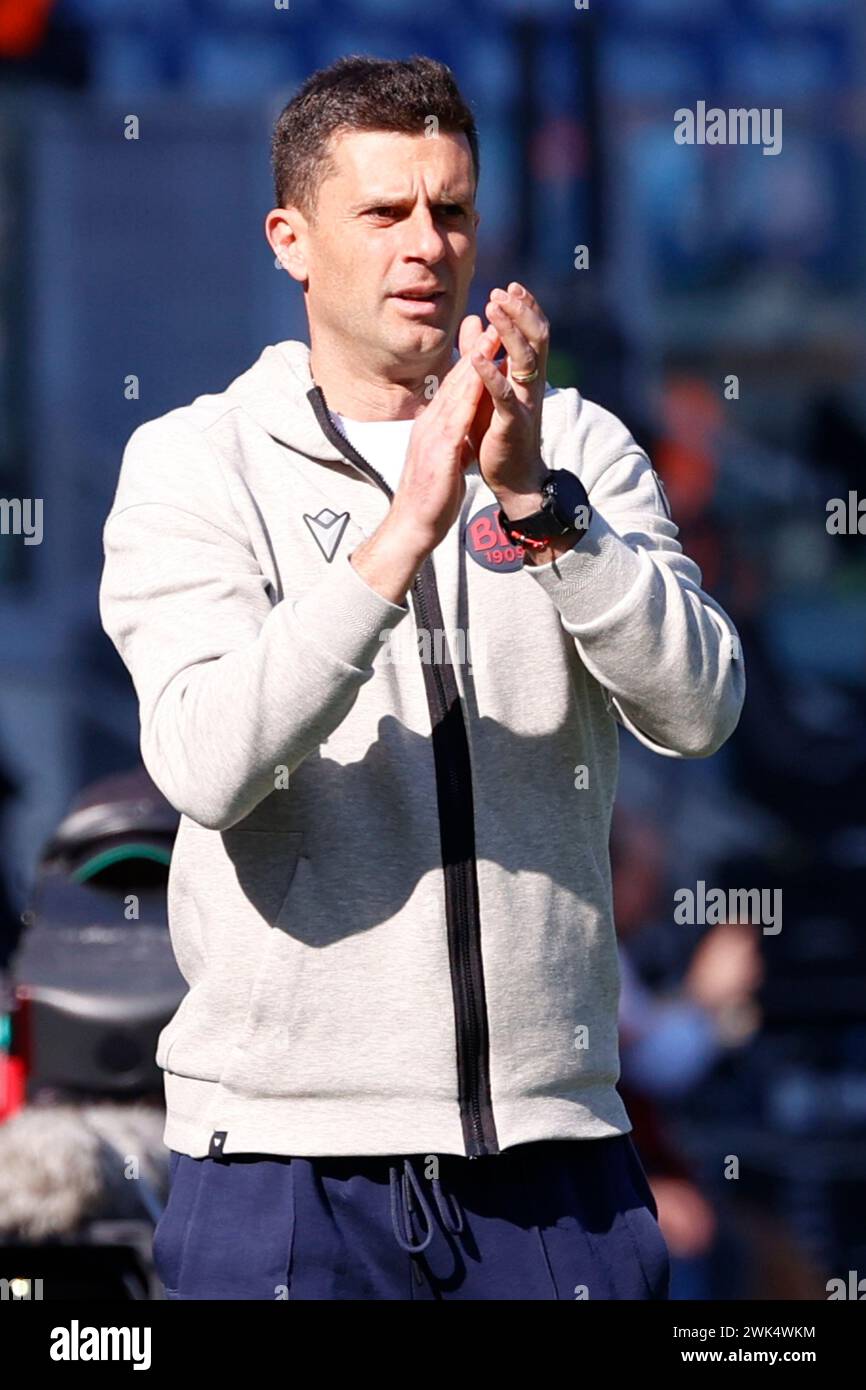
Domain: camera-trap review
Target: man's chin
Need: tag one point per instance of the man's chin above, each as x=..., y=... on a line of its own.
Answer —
x=418, y=339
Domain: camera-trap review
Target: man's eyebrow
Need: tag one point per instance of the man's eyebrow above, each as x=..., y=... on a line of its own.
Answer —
x=399, y=200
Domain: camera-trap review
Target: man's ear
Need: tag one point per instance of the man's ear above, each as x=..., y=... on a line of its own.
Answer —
x=285, y=230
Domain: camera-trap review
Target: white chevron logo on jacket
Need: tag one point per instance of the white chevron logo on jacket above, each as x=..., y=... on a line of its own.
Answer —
x=325, y=530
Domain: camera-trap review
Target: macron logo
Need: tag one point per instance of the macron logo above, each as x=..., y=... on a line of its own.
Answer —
x=327, y=530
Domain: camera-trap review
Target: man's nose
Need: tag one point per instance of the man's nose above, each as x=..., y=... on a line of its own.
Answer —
x=423, y=239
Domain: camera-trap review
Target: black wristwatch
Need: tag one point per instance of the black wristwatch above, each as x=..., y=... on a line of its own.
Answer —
x=565, y=511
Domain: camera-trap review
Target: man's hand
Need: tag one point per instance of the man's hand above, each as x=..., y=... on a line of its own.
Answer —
x=510, y=453
x=428, y=497
x=506, y=432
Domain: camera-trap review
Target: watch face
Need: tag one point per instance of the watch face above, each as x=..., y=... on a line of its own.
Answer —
x=569, y=502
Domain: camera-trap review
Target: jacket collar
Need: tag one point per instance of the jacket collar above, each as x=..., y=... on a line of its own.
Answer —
x=275, y=392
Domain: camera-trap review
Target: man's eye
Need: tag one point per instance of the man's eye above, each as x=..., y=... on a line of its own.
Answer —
x=450, y=210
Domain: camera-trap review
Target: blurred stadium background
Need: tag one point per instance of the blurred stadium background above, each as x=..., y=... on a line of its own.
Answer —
x=147, y=257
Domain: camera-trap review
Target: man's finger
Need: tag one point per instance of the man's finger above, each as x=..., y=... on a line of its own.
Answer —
x=457, y=399
x=460, y=383
x=470, y=330
x=499, y=387
x=515, y=287
x=528, y=318
x=522, y=354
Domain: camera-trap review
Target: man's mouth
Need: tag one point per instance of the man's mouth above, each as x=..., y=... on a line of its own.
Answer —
x=423, y=299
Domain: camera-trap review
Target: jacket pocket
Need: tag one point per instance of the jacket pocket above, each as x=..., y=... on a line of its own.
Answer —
x=265, y=863
x=241, y=879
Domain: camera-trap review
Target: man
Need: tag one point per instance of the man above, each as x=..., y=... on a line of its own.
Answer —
x=394, y=1073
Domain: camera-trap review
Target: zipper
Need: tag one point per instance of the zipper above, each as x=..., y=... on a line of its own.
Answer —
x=457, y=837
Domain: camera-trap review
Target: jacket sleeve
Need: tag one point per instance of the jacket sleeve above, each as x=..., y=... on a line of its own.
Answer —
x=667, y=655
x=230, y=684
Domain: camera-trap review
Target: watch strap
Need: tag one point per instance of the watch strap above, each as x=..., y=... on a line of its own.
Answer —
x=558, y=513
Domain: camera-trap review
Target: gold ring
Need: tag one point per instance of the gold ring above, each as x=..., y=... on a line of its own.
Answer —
x=525, y=377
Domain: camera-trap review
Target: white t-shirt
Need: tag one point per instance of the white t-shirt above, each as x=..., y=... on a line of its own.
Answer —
x=383, y=443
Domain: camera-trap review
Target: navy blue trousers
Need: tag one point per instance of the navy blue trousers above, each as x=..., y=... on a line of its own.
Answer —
x=559, y=1219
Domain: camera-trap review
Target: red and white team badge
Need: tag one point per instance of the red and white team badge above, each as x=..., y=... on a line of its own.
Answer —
x=488, y=544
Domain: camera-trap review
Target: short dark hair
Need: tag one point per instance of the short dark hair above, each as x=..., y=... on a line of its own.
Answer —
x=361, y=93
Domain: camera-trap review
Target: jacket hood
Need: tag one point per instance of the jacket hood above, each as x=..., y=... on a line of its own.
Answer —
x=275, y=391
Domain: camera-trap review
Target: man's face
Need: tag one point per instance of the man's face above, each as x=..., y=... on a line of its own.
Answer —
x=397, y=218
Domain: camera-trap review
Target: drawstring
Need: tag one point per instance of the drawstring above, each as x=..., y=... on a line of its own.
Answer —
x=401, y=1207
x=455, y=1224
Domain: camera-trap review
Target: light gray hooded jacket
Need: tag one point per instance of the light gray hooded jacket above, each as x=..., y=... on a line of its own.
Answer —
x=390, y=891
